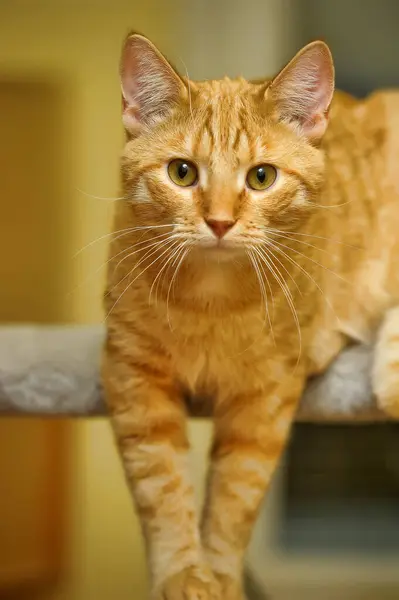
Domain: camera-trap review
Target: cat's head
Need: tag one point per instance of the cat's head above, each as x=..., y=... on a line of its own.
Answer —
x=223, y=162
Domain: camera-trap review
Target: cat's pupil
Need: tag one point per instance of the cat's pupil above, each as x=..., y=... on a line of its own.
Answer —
x=182, y=170
x=261, y=175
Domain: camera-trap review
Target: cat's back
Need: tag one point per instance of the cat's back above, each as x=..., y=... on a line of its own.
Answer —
x=370, y=121
x=362, y=189
x=362, y=151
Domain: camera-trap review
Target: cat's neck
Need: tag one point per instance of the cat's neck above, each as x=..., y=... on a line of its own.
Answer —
x=215, y=287
x=235, y=286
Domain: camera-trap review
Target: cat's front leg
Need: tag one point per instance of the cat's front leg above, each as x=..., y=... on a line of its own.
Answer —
x=148, y=418
x=385, y=375
x=251, y=430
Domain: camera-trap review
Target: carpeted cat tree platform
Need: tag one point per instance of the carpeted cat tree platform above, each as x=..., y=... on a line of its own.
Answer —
x=54, y=370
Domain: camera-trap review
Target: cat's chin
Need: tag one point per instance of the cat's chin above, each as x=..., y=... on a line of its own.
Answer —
x=222, y=245
x=221, y=251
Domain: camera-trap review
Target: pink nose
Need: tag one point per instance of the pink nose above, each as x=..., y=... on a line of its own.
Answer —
x=219, y=228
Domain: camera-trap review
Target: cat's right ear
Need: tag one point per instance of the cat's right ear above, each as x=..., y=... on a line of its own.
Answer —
x=303, y=90
x=150, y=86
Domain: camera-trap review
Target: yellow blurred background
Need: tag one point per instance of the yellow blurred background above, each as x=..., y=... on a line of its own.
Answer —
x=61, y=137
x=61, y=133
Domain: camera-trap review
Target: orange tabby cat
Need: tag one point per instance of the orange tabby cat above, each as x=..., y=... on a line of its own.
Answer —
x=252, y=244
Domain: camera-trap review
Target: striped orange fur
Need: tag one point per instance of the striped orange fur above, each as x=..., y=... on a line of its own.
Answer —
x=237, y=287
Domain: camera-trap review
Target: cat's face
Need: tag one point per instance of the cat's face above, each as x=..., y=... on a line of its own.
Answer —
x=224, y=163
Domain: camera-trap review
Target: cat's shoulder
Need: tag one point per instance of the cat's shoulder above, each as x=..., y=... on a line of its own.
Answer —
x=368, y=123
x=379, y=103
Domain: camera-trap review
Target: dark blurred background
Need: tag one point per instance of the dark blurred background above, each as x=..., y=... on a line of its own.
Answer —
x=67, y=529
x=363, y=38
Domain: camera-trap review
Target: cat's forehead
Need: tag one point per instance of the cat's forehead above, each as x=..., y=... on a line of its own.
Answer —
x=225, y=119
x=226, y=93
x=225, y=86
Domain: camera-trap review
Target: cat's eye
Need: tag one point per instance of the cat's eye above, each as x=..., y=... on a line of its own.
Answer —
x=261, y=177
x=183, y=172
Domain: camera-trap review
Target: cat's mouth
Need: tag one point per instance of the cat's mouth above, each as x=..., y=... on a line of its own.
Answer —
x=220, y=249
x=209, y=245
x=220, y=245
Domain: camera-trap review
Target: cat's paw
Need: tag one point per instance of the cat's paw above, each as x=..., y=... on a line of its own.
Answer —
x=231, y=589
x=389, y=404
x=386, y=389
x=385, y=370
x=193, y=583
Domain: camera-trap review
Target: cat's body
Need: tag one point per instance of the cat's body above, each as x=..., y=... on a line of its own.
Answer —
x=235, y=329
x=360, y=224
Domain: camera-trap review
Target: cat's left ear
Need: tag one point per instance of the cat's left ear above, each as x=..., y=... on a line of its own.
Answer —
x=150, y=85
x=303, y=90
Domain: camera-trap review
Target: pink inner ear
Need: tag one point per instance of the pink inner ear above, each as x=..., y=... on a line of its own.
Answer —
x=316, y=127
x=131, y=118
x=304, y=89
x=316, y=103
x=322, y=91
x=150, y=86
x=130, y=68
x=129, y=106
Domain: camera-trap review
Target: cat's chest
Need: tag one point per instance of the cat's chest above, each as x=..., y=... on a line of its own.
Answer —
x=213, y=355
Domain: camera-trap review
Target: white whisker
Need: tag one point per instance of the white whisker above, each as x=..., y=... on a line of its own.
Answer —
x=150, y=251
x=285, y=269
x=298, y=266
x=291, y=239
x=104, y=264
x=122, y=233
x=287, y=293
x=135, y=279
x=330, y=205
x=100, y=197
x=182, y=253
x=263, y=292
x=309, y=235
x=313, y=261
x=150, y=243
x=159, y=274
x=189, y=92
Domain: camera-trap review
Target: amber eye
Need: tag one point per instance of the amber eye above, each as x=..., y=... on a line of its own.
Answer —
x=261, y=177
x=182, y=172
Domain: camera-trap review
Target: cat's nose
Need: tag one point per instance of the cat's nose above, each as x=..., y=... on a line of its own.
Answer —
x=219, y=228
